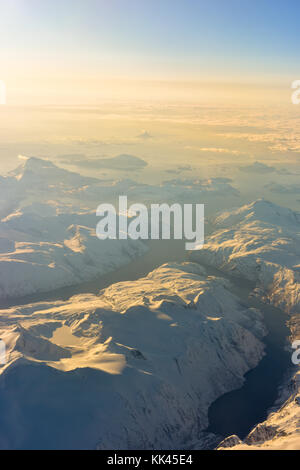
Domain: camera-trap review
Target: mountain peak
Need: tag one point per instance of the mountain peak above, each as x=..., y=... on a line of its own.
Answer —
x=31, y=165
x=262, y=210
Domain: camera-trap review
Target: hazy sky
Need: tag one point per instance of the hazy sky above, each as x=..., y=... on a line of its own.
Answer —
x=232, y=40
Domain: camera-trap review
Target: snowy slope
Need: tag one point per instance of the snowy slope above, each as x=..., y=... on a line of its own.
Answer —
x=41, y=180
x=48, y=220
x=39, y=254
x=135, y=367
x=47, y=234
x=261, y=242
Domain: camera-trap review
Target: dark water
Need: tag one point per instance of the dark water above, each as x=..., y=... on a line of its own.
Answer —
x=237, y=412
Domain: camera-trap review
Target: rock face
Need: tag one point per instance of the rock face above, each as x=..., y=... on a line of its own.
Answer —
x=134, y=367
x=261, y=242
x=230, y=442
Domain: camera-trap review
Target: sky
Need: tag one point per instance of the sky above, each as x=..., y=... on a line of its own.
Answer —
x=187, y=72
x=78, y=44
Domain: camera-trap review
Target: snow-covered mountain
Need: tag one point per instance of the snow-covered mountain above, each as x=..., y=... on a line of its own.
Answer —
x=48, y=236
x=138, y=365
x=134, y=367
x=40, y=254
x=48, y=220
x=41, y=180
x=261, y=242
x=38, y=172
